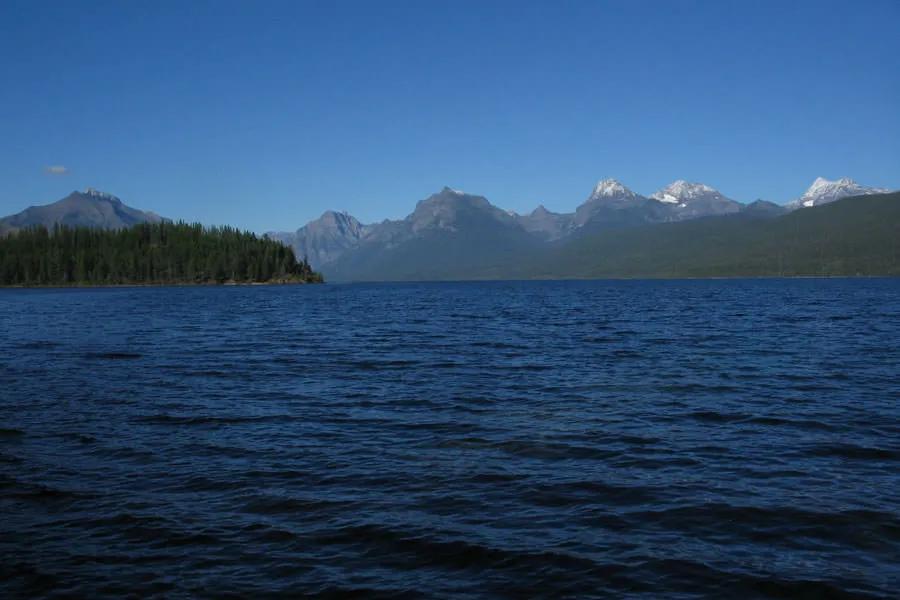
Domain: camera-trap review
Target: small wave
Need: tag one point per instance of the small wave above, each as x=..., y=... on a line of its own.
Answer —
x=785, y=523
x=81, y=438
x=200, y=483
x=273, y=535
x=697, y=388
x=497, y=345
x=437, y=550
x=600, y=339
x=10, y=460
x=278, y=474
x=218, y=373
x=627, y=354
x=124, y=452
x=800, y=424
x=363, y=592
x=38, y=345
x=152, y=530
x=644, y=462
x=378, y=365
x=555, y=451
x=273, y=505
x=701, y=578
x=167, y=419
x=44, y=493
x=711, y=416
x=852, y=451
x=530, y=367
x=125, y=519
x=592, y=493
x=494, y=477
x=114, y=355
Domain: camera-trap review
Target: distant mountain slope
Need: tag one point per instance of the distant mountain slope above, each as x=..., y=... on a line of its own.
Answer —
x=457, y=235
x=450, y=235
x=546, y=225
x=853, y=236
x=612, y=204
x=90, y=208
x=763, y=208
x=693, y=200
x=325, y=239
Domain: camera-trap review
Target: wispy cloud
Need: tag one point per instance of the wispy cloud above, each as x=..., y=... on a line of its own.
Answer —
x=56, y=170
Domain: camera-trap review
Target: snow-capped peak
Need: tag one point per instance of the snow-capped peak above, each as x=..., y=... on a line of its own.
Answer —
x=681, y=191
x=452, y=191
x=823, y=191
x=610, y=188
x=98, y=194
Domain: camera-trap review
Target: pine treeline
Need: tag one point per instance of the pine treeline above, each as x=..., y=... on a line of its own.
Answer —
x=161, y=253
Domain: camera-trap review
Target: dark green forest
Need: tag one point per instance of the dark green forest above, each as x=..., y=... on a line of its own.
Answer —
x=162, y=253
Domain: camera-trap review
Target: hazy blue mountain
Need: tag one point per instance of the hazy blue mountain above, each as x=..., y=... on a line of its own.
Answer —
x=449, y=235
x=325, y=239
x=857, y=235
x=545, y=224
x=451, y=209
x=610, y=204
x=90, y=208
x=764, y=209
x=456, y=235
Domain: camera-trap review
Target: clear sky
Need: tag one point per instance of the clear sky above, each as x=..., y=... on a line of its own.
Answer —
x=264, y=114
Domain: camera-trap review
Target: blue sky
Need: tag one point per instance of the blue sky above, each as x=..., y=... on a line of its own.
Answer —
x=265, y=114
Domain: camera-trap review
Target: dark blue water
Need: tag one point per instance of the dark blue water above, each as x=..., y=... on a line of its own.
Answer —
x=558, y=439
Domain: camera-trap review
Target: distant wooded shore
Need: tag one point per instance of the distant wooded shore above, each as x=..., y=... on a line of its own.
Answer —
x=148, y=254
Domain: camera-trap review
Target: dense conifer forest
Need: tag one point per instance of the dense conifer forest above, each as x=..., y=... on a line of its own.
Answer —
x=161, y=253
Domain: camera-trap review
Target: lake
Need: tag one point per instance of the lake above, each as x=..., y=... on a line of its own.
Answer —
x=678, y=439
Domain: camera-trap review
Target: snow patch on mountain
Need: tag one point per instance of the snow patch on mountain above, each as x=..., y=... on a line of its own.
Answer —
x=95, y=193
x=680, y=191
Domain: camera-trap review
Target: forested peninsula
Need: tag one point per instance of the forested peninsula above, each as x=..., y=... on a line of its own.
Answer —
x=147, y=254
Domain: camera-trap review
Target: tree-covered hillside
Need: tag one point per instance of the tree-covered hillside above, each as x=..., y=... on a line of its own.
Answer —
x=157, y=253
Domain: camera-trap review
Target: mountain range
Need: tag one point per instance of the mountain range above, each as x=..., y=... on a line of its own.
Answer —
x=453, y=234
x=684, y=229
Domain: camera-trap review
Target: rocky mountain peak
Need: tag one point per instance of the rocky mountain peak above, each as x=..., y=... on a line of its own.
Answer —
x=98, y=195
x=611, y=188
x=680, y=191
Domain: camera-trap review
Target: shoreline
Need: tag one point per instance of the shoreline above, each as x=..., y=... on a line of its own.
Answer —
x=435, y=281
x=622, y=278
x=161, y=284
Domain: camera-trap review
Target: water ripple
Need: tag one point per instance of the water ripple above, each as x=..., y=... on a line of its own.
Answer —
x=675, y=439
